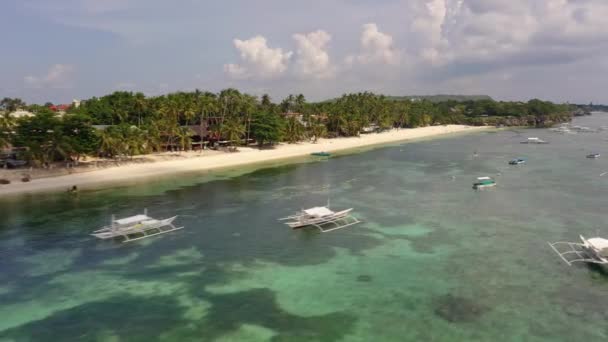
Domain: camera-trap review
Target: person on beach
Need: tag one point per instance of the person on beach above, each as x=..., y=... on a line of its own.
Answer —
x=73, y=190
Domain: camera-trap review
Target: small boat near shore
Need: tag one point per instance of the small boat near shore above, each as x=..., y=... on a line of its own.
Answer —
x=322, y=218
x=594, y=251
x=593, y=155
x=321, y=154
x=517, y=161
x=484, y=182
x=534, y=140
x=136, y=228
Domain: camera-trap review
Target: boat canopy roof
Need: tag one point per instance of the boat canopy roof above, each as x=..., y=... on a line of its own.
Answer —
x=598, y=243
x=318, y=211
x=484, y=178
x=132, y=219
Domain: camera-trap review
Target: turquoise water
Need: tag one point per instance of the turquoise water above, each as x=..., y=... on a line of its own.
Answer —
x=433, y=260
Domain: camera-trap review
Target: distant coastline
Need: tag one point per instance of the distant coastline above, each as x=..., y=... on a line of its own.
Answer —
x=192, y=162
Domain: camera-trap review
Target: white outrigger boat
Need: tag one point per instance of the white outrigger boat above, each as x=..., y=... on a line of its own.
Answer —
x=321, y=218
x=534, y=140
x=594, y=251
x=136, y=228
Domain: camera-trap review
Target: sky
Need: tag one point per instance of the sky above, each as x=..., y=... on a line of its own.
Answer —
x=59, y=50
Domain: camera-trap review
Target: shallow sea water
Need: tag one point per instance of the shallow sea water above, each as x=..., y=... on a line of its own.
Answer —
x=433, y=259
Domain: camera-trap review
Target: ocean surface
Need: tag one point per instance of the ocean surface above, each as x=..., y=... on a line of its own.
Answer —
x=433, y=259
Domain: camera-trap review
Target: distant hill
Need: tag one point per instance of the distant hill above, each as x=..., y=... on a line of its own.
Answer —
x=441, y=97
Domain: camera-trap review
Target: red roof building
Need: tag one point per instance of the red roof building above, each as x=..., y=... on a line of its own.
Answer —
x=60, y=108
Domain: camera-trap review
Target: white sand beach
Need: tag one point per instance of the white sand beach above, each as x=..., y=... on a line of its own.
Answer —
x=209, y=161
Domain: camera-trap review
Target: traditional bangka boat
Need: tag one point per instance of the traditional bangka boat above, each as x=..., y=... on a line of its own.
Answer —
x=322, y=218
x=534, y=140
x=594, y=251
x=593, y=155
x=517, y=161
x=484, y=182
x=136, y=228
x=321, y=154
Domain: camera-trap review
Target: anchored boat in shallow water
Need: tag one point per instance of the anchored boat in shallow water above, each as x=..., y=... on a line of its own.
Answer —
x=321, y=218
x=321, y=154
x=534, y=140
x=517, y=161
x=484, y=182
x=136, y=228
x=594, y=251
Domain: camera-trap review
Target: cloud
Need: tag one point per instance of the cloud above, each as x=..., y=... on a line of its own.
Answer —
x=376, y=48
x=258, y=60
x=312, y=57
x=497, y=34
x=59, y=76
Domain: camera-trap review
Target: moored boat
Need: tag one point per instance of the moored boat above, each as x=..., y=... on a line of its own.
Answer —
x=135, y=228
x=517, y=161
x=534, y=140
x=321, y=218
x=484, y=182
x=593, y=251
x=593, y=155
x=321, y=154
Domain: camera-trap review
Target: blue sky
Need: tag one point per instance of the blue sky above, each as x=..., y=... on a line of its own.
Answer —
x=518, y=49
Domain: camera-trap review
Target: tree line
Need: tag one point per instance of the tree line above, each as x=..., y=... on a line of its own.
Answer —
x=124, y=124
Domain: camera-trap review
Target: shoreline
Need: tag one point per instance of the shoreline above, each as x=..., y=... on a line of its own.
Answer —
x=245, y=156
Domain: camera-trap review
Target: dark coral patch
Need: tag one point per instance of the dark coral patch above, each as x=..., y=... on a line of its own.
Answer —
x=364, y=278
x=456, y=309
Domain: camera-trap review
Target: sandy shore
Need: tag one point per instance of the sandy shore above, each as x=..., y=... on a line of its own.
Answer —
x=210, y=161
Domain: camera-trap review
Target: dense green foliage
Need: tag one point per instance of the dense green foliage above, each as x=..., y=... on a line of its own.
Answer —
x=441, y=98
x=124, y=124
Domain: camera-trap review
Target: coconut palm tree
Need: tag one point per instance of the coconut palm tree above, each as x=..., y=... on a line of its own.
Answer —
x=141, y=106
x=184, y=138
x=317, y=130
x=6, y=126
x=233, y=130
x=294, y=130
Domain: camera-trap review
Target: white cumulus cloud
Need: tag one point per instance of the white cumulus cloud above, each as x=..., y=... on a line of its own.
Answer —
x=312, y=56
x=58, y=76
x=376, y=48
x=258, y=60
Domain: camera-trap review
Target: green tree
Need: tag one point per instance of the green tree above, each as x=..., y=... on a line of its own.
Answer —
x=43, y=138
x=79, y=134
x=294, y=130
x=10, y=105
x=233, y=130
x=266, y=128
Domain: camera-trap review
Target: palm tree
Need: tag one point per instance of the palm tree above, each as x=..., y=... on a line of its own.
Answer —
x=233, y=130
x=300, y=103
x=6, y=126
x=317, y=131
x=184, y=138
x=294, y=130
x=108, y=143
x=140, y=106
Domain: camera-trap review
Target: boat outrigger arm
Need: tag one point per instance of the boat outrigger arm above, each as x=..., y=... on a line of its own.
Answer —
x=573, y=252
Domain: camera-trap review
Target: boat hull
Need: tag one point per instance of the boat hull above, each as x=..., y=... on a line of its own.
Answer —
x=483, y=186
